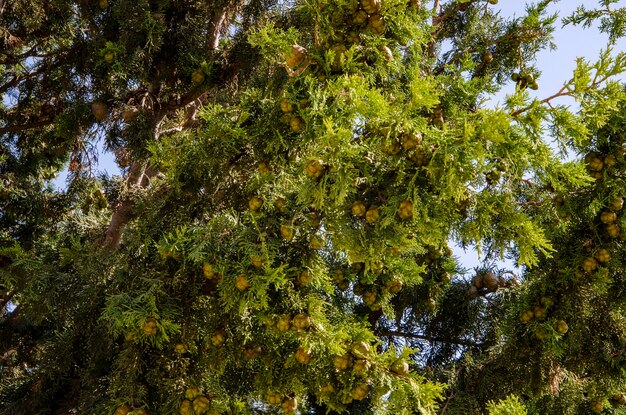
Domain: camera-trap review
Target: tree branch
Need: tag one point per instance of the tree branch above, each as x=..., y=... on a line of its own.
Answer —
x=445, y=406
x=138, y=174
x=435, y=19
x=560, y=93
x=18, y=128
x=217, y=23
x=138, y=177
x=424, y=337
x=41, y=69
x=120, y=217
x=435, y=24
x=563, y=92
x=5, y=302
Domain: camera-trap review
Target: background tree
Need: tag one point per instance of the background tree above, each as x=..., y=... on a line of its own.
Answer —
x=294, y=172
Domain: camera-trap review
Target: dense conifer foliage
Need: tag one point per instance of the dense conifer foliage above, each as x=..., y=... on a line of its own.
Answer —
x=294, y=175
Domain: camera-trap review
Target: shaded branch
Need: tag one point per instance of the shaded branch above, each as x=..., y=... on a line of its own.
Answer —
x=113, y=235
x=23, y=127
x=42, y=69
x=5, y=302
x=436, y=22
x=138, y=175
x=10, y=59
x=429, y=338
x=445, y=406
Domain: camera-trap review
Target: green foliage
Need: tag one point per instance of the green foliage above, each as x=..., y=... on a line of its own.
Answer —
x=294, y=173
x=509, y=406
x=612, y=19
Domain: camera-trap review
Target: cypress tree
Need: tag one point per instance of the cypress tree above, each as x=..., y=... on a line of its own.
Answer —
x=294, y=174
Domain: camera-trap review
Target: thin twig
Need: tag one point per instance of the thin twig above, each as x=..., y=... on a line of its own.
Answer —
x=429, y=338
x=445, y=406
x=561, y=93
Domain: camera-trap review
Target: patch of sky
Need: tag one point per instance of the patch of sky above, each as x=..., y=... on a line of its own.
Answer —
x=556, y=66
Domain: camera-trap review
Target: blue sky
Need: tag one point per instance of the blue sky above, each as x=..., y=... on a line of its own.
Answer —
x=556, y=67
x=572, y=42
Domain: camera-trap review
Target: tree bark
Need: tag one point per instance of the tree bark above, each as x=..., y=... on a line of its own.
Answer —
x=121, y=215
